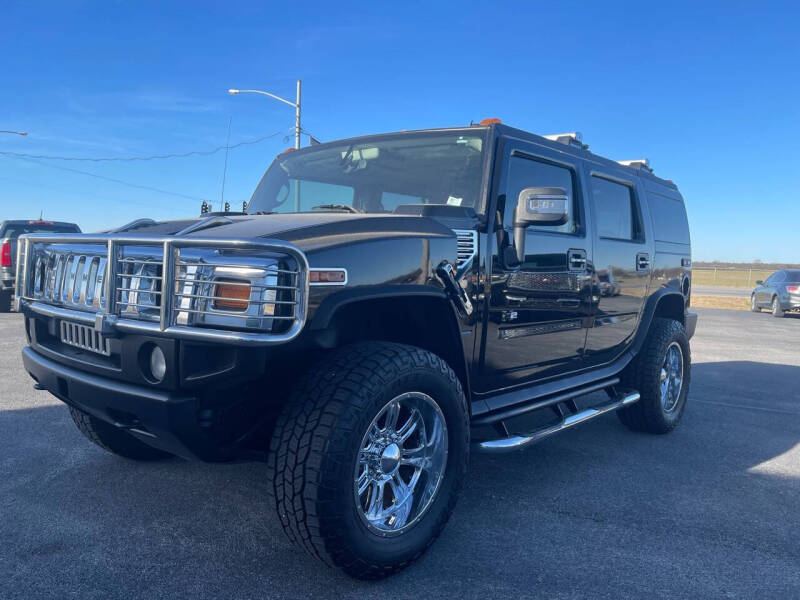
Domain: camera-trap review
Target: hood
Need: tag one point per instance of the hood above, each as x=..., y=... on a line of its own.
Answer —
x=309, y=230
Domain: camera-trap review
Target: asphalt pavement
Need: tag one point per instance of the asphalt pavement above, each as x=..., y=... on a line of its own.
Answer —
x=710, y=511
x=714, y=290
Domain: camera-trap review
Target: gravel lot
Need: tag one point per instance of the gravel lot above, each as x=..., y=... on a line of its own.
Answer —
x=710, y=511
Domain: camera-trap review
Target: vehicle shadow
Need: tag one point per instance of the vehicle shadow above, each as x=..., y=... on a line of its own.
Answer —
x=709, y=508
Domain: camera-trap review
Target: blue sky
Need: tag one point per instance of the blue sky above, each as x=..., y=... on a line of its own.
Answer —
x=707, y=90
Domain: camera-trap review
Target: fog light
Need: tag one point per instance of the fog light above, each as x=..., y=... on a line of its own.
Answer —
x=158, y=363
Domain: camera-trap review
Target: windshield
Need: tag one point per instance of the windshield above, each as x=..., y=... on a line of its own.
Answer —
x=376, y=175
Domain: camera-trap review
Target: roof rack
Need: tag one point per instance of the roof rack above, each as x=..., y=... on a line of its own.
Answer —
x=572, y=138
x=642, y=164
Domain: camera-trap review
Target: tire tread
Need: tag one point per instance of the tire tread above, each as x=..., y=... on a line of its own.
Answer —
x=642, y=374
x=322, y=412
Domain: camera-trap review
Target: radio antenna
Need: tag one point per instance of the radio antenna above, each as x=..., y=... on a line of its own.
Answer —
x=225, y=168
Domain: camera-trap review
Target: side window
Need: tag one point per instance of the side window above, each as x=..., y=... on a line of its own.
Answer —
x=527, y=172
x=778, y=277
x=617, y=211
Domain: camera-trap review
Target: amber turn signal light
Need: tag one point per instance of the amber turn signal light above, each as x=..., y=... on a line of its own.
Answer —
x=323, y=276
x=231, y=295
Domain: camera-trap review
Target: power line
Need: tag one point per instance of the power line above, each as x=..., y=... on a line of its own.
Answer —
x=142, y=158
x=84, y=195
x=119, y=181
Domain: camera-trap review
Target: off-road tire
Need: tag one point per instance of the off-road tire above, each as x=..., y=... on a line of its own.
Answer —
x=777, y=311
x=5, y=301
x=113, y=439
x=754, y=305
x=315, y=445
x=642, y=375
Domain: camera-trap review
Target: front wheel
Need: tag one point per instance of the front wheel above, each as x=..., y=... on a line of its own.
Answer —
x=369, y=455
x=777, y=311
x=660, y=373
x=753, y=304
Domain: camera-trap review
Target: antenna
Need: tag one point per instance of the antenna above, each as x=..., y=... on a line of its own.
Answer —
x=225, y=168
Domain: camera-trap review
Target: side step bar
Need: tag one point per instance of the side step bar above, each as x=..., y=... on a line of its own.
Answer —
x=515, y=442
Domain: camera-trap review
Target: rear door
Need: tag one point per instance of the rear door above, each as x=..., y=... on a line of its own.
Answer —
x=622, y=261
x=539, y=310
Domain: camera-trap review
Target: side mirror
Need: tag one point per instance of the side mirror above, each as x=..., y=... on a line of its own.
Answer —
x=538, y=206
x=759, y=282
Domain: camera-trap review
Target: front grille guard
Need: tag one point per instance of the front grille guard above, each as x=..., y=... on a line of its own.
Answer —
x=107, y=321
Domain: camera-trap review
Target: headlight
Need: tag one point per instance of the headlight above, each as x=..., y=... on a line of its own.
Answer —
x=235, y=290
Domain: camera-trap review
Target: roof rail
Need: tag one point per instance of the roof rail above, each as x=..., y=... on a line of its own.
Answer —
x=572, y=138
x=637, y=163
x=133, y=225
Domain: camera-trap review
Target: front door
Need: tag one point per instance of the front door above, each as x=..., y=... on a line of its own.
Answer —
x=539, y=309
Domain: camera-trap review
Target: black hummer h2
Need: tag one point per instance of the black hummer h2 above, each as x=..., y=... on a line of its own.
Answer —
x=386, y=303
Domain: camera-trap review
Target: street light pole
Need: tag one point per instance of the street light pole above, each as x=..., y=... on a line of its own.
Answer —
x=296, y=105
x=297, y=119
x=24, y=133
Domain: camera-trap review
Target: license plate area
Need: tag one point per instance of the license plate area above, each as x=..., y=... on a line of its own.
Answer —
x=85, y=338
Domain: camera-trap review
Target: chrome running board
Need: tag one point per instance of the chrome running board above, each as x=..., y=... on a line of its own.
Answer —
x=516, y=442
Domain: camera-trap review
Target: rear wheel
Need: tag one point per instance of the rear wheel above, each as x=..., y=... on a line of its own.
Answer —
x=660, y=373
x=368, y=457
x=753, y=304
x=113, y=439
x=777, y=311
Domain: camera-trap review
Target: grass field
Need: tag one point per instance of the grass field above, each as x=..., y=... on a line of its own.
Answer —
x=729, y=277
x=720, y=302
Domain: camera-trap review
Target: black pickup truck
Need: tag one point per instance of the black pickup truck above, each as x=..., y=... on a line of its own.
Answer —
x=387, y=304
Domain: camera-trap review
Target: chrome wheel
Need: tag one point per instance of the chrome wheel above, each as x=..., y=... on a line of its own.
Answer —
x=401, y=463
x=671, y=377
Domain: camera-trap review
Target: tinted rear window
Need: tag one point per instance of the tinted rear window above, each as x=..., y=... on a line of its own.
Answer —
x=792, y=275
x=13, y=230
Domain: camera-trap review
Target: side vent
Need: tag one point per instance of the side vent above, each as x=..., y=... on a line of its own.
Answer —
x=467, y=248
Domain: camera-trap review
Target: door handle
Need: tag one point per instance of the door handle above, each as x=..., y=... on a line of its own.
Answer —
x=642, y=261
x=576, y=259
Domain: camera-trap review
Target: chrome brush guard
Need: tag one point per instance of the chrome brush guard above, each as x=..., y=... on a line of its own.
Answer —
x=166, y=285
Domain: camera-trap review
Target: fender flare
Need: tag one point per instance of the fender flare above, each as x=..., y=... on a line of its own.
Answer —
x=650, y=307
x=330, y=305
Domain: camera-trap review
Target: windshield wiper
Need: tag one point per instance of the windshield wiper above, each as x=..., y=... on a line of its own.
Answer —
x=344, y=207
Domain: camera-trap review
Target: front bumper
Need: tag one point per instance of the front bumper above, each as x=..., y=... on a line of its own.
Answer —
x=164, y=420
